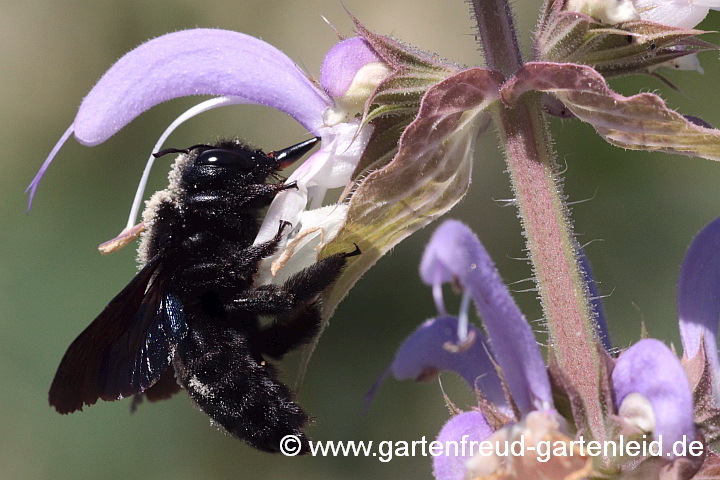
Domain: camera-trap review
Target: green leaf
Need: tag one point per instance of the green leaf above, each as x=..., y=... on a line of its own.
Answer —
x=639, y=122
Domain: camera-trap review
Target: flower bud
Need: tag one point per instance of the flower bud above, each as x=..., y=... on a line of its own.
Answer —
x=350, y=73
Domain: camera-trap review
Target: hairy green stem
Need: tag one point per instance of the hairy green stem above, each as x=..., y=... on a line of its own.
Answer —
x=538, y=192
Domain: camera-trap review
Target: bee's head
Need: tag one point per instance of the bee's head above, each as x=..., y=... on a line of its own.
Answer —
x=230, y=162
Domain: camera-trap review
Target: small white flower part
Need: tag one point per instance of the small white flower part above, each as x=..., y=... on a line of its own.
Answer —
x=350, y=73
x=353, y=100
x=638, y=412
x=319, y=227
x=609, y=12
x=549, y=453
x=676, y=13
x=330, y=167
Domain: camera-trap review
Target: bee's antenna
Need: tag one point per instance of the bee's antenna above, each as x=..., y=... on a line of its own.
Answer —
x=168, y=151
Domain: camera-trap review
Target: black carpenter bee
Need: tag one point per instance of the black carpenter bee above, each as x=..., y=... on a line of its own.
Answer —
x=191, y=317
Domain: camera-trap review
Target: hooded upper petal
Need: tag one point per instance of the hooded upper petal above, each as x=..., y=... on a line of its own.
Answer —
x=454, y=252
x=651, y=369
x=193, y=62
x=350, y=74
x=197, y=62
x=698, y=297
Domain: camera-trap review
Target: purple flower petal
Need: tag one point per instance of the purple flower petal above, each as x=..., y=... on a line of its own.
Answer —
x=197, y=62
x=651, y=369
x=342, y=62
x=454, y=252
x=193, y=62
x=425, y=353
x=698, y=291
x=698, y=296
x=595, y=302
x=462, y=429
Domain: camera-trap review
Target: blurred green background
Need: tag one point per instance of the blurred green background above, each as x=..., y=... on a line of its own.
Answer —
x=642, y=211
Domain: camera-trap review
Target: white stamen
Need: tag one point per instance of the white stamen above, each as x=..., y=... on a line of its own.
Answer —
x=188, y=114
x=438, y=297
x=463, y=317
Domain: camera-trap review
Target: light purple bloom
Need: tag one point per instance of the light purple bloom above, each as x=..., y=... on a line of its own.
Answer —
x=237, y=69
x=698, y=299
x=455, y=254
x=651, y=369
x=461, y=429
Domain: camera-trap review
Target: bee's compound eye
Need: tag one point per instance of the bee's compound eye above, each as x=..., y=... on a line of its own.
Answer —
x=219, y=157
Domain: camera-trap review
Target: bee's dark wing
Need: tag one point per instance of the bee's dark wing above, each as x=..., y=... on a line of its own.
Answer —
x=126, y=348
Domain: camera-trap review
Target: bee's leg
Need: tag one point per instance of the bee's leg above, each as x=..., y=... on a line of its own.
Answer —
x=237, y=389
x=301, y=288
x=290, y=330
x=250, y=256
x=237, y=268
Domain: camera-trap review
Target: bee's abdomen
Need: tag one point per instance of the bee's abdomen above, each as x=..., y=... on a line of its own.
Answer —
x=236, y=388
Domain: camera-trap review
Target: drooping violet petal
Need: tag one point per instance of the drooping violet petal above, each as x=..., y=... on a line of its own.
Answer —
x=676, y=13
x=425, y=353
x=698, y=297
x=460, y=430
x=595, y=302
x=454, y=252
x=651, y=369
x=197, y=62
x=342, y=62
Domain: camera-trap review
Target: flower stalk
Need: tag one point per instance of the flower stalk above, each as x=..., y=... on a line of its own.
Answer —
x=544, y=214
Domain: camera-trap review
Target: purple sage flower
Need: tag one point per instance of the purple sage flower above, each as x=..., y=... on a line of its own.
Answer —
x=240, y=69
x=455, y=254
x=649, y=372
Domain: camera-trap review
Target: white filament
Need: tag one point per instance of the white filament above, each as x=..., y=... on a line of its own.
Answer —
x=188, y=114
